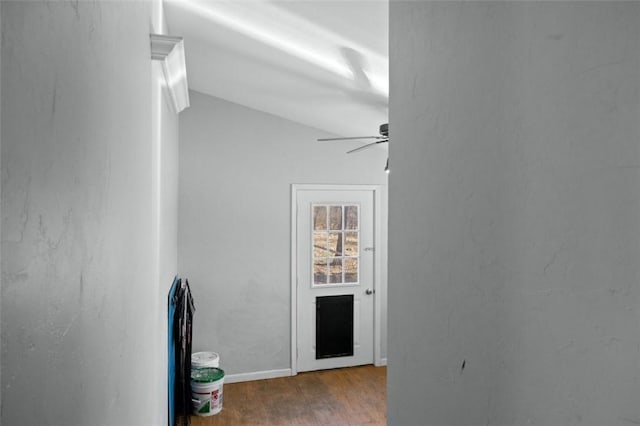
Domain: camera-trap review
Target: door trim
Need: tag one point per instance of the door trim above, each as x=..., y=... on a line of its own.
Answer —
x=377, y=264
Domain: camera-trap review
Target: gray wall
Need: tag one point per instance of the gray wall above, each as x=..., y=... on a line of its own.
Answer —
x=166, y=187
x=514, y=213
x=83, y=317
x=1, y=279
x=168, y=199
x=236, y=168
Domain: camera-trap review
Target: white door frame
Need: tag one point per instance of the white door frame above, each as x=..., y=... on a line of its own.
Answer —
x=377, y=264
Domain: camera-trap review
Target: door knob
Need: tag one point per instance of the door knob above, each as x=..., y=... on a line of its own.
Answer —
x=369, y=292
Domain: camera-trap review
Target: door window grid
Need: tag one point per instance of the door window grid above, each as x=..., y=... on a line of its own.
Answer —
x=335, y=244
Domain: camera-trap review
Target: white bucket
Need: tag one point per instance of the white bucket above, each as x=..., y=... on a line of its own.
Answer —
x=206, y=391
x=205, y=359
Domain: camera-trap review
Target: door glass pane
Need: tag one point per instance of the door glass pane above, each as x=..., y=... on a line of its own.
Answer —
x=335, y=271
x=351, y=270
x=350, y=243
x=320, y=271
x=351, y=217
x=320, y=245
x=335, y=243
x=335, y=218
x=319, y=218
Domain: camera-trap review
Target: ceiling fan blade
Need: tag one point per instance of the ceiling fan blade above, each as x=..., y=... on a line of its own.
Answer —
x=367, y=146
x=351, y=138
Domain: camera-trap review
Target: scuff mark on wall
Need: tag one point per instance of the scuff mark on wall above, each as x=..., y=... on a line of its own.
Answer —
x=73, y=320
x=75, y=6
x=24, y=213
x=81, y=289
x=54, y=97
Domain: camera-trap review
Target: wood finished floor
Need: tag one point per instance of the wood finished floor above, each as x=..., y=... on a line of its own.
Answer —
x=343, y=397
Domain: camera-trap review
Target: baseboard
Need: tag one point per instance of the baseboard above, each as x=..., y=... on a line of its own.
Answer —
x=381, y=363
x=257, y=375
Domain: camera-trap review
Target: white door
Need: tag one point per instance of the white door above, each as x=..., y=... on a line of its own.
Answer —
x=334, y=257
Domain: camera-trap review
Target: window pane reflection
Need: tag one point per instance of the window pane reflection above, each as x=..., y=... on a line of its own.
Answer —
x=320, y=271
x=335, y=271
x=351, y=270
x=335, y=218
x=319, y=218
x=351, y=217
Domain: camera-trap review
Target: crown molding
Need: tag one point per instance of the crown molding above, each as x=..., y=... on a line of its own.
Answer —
x=169, y=50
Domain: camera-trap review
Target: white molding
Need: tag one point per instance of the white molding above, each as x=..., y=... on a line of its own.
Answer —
x=257, y=375
x=377, y=274
x=162, y=45
x=169, y=50
x=378, y=278
x=294, y=279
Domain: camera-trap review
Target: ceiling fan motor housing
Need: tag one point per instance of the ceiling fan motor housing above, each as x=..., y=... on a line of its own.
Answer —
x=384, y=129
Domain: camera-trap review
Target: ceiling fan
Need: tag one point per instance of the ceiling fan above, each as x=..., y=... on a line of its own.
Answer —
x=383, y=138
x=362, y=92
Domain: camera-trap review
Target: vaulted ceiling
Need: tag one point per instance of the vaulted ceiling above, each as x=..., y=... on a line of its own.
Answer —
x=322, y=63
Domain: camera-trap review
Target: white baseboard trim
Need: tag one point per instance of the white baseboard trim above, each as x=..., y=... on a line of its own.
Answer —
x=381, y=363
x=257, y=375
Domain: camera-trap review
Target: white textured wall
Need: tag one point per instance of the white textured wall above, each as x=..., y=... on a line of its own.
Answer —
x=165, y=182
x=79, y=313
x=236, y=168
x=1, y=279
x=514, y=213
x=169, y=201
x=168, y=218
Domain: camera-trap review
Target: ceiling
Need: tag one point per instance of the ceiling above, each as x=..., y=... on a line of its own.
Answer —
x=322, y=63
